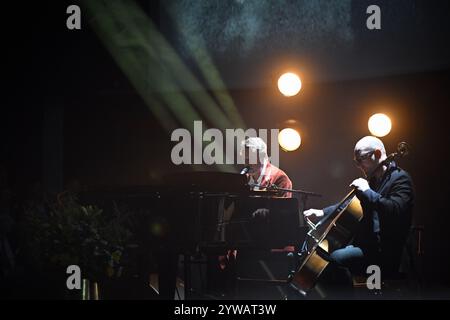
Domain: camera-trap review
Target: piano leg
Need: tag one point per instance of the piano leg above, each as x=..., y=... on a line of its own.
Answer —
x=167, y=270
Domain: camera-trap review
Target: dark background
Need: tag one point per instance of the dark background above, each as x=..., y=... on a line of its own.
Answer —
x=70, y=115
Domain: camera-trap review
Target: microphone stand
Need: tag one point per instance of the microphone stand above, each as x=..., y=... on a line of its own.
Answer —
x=273, y=187
x=302, y=192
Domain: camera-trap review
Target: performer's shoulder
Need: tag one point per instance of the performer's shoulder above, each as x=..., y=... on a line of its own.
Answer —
x=400, y=173
x=282, y=177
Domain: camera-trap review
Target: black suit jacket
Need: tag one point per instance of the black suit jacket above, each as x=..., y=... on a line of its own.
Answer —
x=387, y=208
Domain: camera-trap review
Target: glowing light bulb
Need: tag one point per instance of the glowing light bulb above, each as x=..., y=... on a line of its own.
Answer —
x=289, y=84
x=289, y=139
x=379, y=125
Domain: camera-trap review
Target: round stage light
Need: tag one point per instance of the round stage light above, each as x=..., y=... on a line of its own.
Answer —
x=289, y=139
x=289, y=84
x=380, y=125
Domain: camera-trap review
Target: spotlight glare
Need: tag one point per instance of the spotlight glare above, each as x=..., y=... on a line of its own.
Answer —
x=289, y=139
x=379, y=125
x=289, y=84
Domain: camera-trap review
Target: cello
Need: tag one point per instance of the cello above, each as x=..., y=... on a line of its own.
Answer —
x=332, y=232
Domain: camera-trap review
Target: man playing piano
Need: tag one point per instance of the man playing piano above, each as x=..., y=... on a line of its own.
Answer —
x=262, y=175
x=260, y=171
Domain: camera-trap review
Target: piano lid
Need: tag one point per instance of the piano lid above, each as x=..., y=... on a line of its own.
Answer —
x=186, y=182
x=207, y=181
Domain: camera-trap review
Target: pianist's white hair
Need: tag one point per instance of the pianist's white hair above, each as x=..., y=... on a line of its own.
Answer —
x=255, y=144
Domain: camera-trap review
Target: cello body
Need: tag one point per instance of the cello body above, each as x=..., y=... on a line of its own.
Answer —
x=322, y=241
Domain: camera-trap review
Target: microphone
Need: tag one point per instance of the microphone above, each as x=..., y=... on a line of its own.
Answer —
x=245, y=170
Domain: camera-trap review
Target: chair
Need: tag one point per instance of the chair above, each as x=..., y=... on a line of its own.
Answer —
x=407, y=282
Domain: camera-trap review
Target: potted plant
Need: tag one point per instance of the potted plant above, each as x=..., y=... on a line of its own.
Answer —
x=68, y=233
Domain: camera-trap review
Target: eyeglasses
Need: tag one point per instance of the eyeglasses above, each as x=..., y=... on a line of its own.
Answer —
x=360, y=158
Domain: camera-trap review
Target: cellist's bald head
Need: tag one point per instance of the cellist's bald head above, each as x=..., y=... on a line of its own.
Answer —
x=370, y=143
x=369, y=152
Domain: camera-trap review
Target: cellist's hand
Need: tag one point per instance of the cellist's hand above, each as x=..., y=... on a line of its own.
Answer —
x=360, y=184
x=313, y=212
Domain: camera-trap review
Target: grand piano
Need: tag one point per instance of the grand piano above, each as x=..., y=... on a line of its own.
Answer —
x=203, y=214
